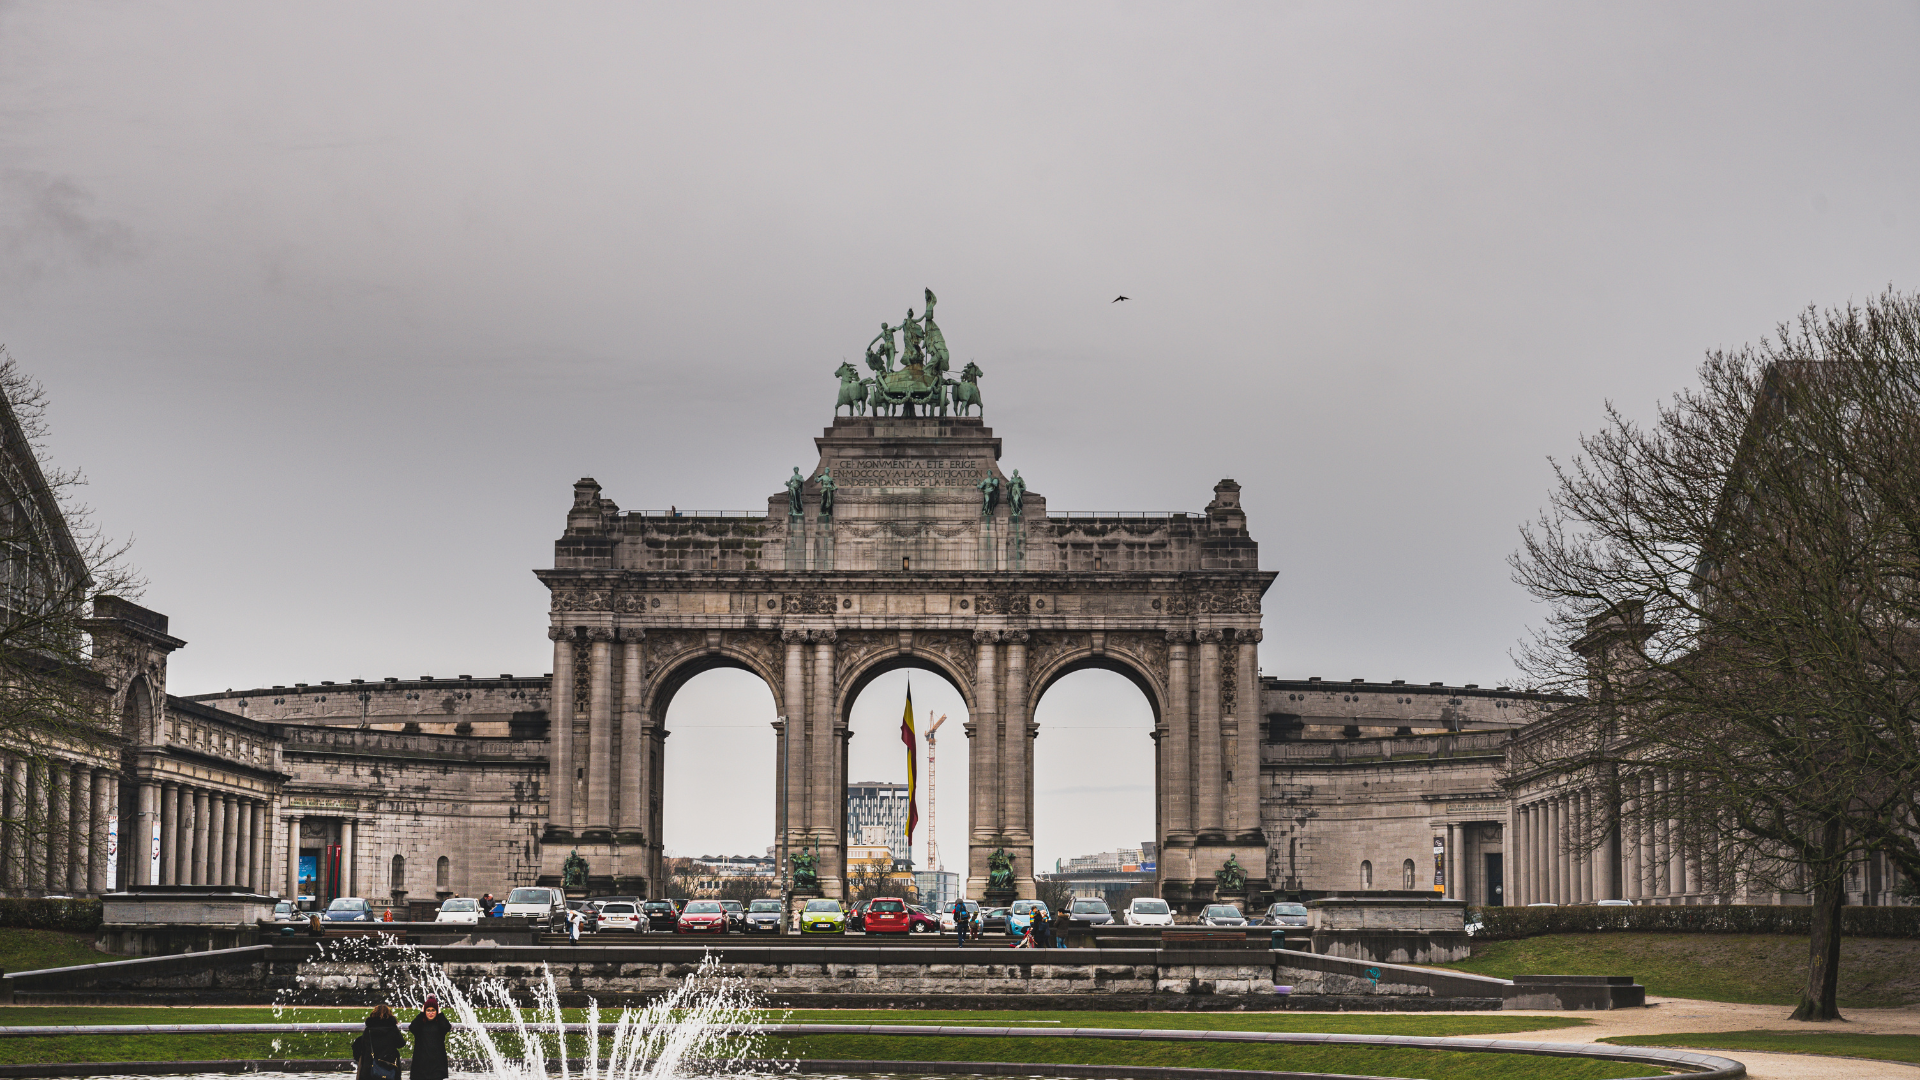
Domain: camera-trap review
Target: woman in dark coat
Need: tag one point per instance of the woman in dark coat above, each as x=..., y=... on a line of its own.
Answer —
x=384, y=1041
x=430, y=1031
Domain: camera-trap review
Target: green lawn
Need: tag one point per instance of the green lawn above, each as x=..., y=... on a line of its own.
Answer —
x=1368, y=1061
x=1885, y=1047
x=1340, y=1023
x=31, y=950
x=1755, y=969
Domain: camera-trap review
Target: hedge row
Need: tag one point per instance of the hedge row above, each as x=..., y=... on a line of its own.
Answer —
x=1509, y=923
x=31, y=914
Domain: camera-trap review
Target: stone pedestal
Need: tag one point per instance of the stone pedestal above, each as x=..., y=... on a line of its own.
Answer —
x=1390, y=930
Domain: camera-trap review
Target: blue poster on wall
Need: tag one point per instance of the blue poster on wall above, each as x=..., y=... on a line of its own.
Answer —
x=309, y=870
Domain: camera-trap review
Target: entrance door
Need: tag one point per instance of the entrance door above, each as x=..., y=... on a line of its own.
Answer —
x=1496, y=883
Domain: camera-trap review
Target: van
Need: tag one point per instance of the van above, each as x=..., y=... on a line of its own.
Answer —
x=539, y=905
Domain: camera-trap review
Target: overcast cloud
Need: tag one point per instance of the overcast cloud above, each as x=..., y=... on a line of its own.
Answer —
x=334, y=302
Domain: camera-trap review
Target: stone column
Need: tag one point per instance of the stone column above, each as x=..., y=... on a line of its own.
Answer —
x=1677, y=884
x=1177, y=750
x=1629, y=837
x=55, y=880
x=1662, y=853
x=1452, y=867
x=35, y=821
x=1017, y=775
x=139, y=846
x=262, y=846
x=1643, y=832
x=198, y=874
x=243, y=844
x=12, y=815
x=794, y=695
x=1690, y=851
x=1556, y=848
x=217, y=809
x=600, y=732
x=1210, y=822
x=349, y=880
x=633, y=738
x=984, y=762
x=1246, y=766
x=79, y=802
x=183, y=850
x=293, y=858
x=103, y=783
x=169, y=831
x=830, y=808
x=1579, y=835
x=560, y=766
x=1542, y=853
x=1514, y=864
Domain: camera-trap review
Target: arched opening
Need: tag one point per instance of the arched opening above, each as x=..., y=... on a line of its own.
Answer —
x=717, y=779
x=930, y=869
x=1096, y=825
x=443, y=875
x=136, y=715
x=1366, y=873
x=1406, y=874
x=397, y=876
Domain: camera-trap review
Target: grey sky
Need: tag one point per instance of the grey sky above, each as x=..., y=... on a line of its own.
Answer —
x=334, y=302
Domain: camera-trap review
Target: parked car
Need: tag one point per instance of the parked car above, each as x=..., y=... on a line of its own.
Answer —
x=1543, y=904
x=736, y=915
x=661, y=915
x=620, y=915
x=702, y=917
x=823, y=916
x=1222, y=915
x=538, y=905
x=922, y=921
x=1286, y=915
x=459, y=909
x=349, y=909
x=886, y=915
x=283, y=912
x=1613, y=903
x=588, y=912
x=993, y=921
x=857, y=917
x=1022, y=914
x=946, y=917
x=763, y=917
x=1148, y=911
x=1089, y=913
x=603, y=901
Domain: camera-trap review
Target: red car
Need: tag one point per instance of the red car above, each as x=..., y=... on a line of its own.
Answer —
x=702, y=917
x=922, y=923
x=887, y=915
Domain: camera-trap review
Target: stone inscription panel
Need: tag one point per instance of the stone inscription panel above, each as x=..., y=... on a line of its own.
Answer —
x=908, y=472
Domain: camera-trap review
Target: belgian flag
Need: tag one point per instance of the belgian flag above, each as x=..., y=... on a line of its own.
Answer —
x=913, y=754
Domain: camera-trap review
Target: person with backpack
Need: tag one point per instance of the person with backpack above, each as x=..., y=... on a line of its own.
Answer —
x=376, y=1053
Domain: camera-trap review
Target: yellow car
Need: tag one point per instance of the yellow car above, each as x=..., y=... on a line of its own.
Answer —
x=823, y=917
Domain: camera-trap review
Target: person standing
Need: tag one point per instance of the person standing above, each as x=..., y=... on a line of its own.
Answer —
x=574, y=922
x=486, y=906
x=429, y=1031
x=961, y=916
x=379, y=1059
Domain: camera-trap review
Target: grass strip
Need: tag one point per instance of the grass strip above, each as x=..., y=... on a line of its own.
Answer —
x=1362, y=1060
x=1753, y=969
x=34, y=950
x=1882, y=1047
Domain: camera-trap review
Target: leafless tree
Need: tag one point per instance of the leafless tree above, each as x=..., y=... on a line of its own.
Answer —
x=1732, y=592
x=54, y=559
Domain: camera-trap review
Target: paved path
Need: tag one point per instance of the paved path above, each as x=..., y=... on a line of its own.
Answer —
x=1664, y=1015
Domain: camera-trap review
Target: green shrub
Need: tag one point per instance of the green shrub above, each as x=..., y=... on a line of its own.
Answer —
x=1512, y=923
x=27, y=913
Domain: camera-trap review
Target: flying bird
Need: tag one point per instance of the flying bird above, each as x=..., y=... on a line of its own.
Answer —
x=1117, y=299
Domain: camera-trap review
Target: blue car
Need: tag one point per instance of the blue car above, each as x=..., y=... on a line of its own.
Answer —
x=1021, y=916
x=349, y=909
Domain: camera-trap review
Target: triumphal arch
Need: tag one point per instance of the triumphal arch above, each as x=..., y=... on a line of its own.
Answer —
x=906, y=544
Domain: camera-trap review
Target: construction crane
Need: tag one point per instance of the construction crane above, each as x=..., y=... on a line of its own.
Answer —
x=933, y=836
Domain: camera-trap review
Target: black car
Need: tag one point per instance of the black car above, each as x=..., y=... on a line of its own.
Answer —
x=590, y=912
x=993, y=921
x=736, y=916
x=661, y=915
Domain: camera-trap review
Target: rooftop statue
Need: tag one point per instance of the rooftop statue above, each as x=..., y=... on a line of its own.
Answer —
x=1016, y=493
x=827, y=488
x=920, y=382
x=794, y=484
x=573, y=872
x=989, y=486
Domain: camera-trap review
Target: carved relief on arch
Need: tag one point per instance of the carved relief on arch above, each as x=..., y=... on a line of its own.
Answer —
x=663, y=645
x=955, y=647
x=764, y=650
x=1147, y=648
x=855, y=646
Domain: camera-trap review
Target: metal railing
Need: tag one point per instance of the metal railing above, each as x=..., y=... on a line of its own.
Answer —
x=671, y=514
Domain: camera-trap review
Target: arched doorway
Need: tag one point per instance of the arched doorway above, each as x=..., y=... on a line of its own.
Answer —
x=877, y=792
x=1094, y=785
x=718, y=774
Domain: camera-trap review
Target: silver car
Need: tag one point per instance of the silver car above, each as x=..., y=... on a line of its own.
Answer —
x=763, y=917
x=1287, y=915
x=1222, y=915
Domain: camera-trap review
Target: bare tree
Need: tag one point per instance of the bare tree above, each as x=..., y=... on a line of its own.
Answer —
x=53, y=560
x=1732, y=593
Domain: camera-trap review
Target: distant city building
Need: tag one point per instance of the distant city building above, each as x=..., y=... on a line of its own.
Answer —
x=1107, y=875
x=938, y=888
x=877, y=817
x=738, y=865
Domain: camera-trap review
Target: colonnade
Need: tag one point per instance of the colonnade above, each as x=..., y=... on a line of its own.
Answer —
x=207, y=837
x=1554, y=855
x=58, y=814
x=1662, y=861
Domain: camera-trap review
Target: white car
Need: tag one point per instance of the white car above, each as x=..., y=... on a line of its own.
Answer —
x=1148, y=911
x=538, y=905
x=620, y=915
x=460, y=909
x=946, y=915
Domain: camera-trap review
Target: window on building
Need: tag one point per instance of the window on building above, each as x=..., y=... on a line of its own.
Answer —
x=399, y=878
x=443, y=874
x=1366, y=874
x=1406, y=874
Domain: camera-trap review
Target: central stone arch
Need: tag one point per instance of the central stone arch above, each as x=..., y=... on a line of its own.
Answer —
x=897, y=549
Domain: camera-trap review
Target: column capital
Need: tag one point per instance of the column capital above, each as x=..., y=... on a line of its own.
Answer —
x=1249, y=636
x=1209, y=636
x=986, y=637
x=823, y=637
x=1179, y=637
x=1014, y=637
x=560, y=633
x=631, y=635
x=599, y=633
x=793, y=637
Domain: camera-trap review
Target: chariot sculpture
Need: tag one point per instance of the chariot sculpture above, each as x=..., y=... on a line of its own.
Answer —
x=919, y=383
